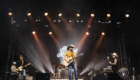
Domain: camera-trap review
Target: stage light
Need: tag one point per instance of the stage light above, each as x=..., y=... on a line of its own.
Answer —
x=46, y=25
x=29, y=14
x=60, y=14
x=54, y=20
x=33, y=32
x=69, y=20
x=46, y=14
x=10, y=13
x=127, y=15
x=77, y=21
x=78, y=15
x=89, y=26
x=50, y=33
x=59, y=20
x=108, y=15
x=92, y=15
x=103, y=33
x=87, y=33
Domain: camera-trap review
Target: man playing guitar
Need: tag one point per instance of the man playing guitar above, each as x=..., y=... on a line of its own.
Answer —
x=68, y=54
x=22, y=62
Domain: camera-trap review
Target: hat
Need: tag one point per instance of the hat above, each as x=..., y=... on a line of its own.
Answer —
x=115, y=54
x=69, y=47
x=14, y=63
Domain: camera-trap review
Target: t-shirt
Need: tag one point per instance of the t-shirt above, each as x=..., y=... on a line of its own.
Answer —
x=13, y=69
x=70, y=54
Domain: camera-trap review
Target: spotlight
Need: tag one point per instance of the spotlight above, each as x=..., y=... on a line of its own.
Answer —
x=29, y=14
x=78, y=15
x=108, y=15
x=103, y=33
x=87, y=33
x=92, y=15
x=54, y=20
x=60, y=14
x=50, y=33
x=69, y=20
x=77, y=21
x=33, y=32
x=127, y=15
x=46, y=25
x=10, y=13
x=46, y=14
x=59, y=20
x=89, y=26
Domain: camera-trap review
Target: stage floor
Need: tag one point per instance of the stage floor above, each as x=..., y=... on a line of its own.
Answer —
x=64, y=79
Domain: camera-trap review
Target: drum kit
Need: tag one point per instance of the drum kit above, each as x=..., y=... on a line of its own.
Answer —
x=61, y=72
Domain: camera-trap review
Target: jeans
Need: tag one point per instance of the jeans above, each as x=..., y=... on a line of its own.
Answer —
x=22, y=73
x=75, y=71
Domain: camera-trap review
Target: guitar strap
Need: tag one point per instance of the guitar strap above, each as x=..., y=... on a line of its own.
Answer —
x=22, y=62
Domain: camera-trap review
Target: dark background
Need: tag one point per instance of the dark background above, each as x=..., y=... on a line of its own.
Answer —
x=132, y=30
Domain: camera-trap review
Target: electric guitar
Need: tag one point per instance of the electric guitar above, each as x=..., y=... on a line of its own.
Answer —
x=21, y=68
x=70, y=60
x=108, y=59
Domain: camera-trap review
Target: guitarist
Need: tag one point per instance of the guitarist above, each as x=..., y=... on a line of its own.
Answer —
x=68, y=54
x=114, y=63
x=22, y=62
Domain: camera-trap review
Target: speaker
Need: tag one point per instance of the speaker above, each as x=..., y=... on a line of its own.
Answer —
x=114, y=76
x=42, y=76
x=100, y=77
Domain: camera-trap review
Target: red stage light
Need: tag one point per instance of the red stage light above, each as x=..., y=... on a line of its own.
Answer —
x=33, y=32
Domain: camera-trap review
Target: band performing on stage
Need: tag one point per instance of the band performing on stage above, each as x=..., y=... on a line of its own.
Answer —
x=68, y=70
x=70, y=40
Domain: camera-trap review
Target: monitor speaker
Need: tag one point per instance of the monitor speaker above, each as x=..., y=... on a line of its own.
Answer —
x=42, y=76
x=114, y=76
x=100, y=77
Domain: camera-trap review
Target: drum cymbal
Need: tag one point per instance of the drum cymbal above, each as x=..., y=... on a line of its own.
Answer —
x=58, y=64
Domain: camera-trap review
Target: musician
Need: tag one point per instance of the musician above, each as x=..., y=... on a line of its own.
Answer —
x=68, y=54
x=114, y=63
x=22, y=62
x=13, y=71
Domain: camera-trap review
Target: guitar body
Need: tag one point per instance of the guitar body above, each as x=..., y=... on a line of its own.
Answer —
x=21, y=68
x=70, y=61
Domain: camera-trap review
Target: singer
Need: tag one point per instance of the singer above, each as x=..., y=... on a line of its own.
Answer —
x=68, y=54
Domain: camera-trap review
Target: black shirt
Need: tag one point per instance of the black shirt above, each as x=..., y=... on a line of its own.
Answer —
x=19, y=63
x=116, y=63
